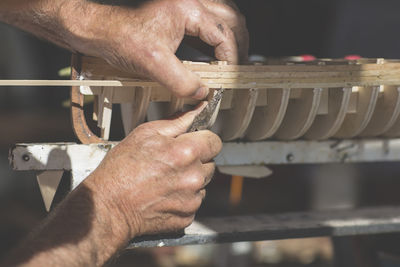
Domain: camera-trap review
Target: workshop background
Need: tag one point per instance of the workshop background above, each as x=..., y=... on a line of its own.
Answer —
x=277, y=28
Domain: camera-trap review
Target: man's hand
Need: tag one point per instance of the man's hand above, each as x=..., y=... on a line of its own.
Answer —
x=142, y=39
x=154, y=180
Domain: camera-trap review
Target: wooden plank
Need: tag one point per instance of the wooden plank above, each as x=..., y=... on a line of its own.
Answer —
x=96, y=66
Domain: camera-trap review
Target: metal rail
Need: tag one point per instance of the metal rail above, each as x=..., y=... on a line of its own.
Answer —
x=281, y=226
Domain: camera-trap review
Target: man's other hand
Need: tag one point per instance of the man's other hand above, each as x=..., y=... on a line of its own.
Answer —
x=144, y=39
x=154, y=180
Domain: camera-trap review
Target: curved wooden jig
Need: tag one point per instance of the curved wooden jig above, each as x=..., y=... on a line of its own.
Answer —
x=79, y=125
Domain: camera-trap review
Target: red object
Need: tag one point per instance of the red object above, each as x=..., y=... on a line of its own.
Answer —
x=307, y=58
x=352, y=57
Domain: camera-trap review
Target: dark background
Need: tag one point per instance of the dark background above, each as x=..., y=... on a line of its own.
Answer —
x=277, y=28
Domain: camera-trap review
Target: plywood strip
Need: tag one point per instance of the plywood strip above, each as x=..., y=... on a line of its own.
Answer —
x=325, y=126
x=95, y=66
x=267, y=119
x=300, y=115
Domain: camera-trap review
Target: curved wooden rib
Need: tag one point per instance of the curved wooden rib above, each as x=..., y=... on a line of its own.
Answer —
x=267, y=119
x=354, y=124
x=386, y=112
x=79, y=125
x=135, y=113
x=236, y=120
x=300, y=114
x=325, y=126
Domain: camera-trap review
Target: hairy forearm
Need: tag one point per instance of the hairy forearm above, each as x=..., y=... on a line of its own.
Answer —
x=82, y=231
x=37, y=17
x=71, y=24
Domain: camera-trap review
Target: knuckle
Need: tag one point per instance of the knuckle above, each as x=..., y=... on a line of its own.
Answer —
x=142, y=128
x=190, y=8
x=194, y=181
x=183, y=155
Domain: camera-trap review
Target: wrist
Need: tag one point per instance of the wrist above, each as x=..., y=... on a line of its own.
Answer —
x=110, y=210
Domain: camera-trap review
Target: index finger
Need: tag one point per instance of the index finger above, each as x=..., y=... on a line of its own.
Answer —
x=215, y=32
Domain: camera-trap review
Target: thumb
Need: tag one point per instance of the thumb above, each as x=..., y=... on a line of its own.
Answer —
x=178, y=125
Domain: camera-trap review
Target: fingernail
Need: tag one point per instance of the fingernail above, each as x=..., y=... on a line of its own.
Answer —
x=201, y=93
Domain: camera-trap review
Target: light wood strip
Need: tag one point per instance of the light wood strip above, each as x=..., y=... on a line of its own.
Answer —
x=225, y=83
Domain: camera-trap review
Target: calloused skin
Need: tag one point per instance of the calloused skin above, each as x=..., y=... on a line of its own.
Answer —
x=154, y=180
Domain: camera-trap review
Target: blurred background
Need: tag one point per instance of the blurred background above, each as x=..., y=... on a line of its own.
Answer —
x=277, y=28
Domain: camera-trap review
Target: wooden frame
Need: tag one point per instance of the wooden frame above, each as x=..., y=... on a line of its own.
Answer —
x=286, y=101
